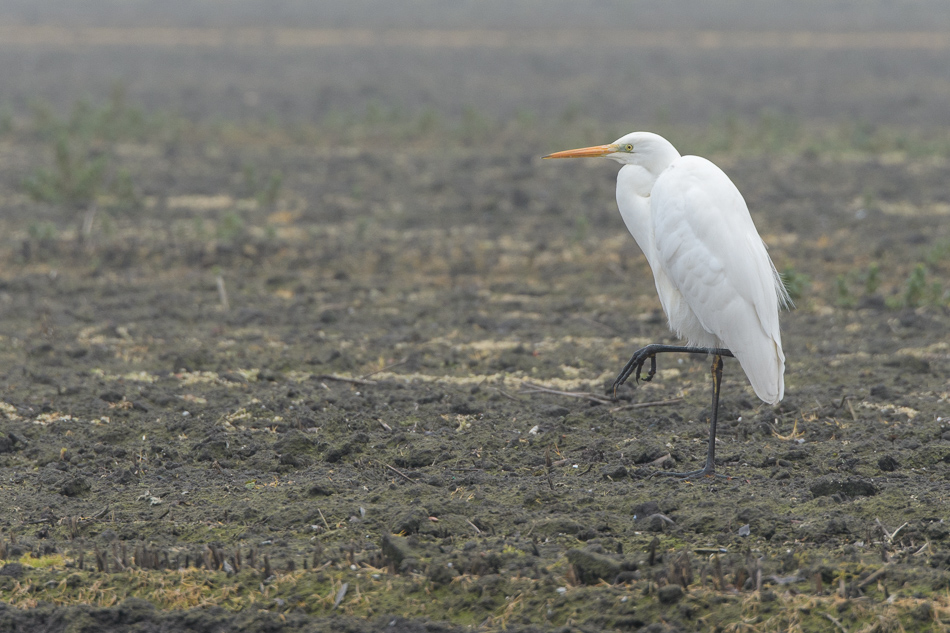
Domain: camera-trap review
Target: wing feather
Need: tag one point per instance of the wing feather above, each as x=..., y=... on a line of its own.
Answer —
x=713, y=256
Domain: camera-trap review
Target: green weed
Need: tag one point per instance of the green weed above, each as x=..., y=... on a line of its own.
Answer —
x=937, y=253
x=79, y=175
x=42, y=231
x=230, y=227
x=268, y=194
x=795, y=283
x=122, y=187
x=113, y=121
x=844, y=297
x=916, y=287
x=868, y=281
x=74, y=180
x=45, y=124
x=581, y=228
x=872, y=279
x=265, y=190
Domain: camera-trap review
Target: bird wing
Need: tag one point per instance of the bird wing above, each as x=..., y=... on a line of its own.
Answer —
x=712, y=254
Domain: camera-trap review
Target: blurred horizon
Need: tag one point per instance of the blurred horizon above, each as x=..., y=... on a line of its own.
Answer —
x=844, y=15
x=642, y=64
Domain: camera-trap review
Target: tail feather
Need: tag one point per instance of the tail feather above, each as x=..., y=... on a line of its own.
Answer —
x=764, y=365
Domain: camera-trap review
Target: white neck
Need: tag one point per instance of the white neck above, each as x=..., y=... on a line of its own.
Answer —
x=634, y=184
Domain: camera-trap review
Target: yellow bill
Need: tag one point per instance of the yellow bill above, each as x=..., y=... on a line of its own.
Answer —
x=584, y=152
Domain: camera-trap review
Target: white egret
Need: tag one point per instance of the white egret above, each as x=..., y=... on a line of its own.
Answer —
x=717, y=285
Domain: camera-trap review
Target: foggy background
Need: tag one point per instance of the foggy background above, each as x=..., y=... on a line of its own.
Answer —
x=627, y=62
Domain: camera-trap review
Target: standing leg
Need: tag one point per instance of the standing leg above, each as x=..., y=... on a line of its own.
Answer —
x=710, y=467
x=709, y=470
x=635, y=366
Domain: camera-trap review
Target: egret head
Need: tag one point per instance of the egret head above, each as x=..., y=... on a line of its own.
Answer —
x=650, y=151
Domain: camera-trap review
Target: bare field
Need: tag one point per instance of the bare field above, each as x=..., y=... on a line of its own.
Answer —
x=305, y=337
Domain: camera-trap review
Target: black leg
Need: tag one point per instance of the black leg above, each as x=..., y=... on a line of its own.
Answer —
x=649, y=352
x=709, y=469
x=710, y=466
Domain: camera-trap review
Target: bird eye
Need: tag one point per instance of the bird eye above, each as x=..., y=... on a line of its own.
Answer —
x=628, y=147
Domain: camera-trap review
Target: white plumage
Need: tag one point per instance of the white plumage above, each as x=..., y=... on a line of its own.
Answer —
x=712, y=272
x=715, y=280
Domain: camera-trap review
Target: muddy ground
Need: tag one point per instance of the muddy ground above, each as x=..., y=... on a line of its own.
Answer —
x=271, y=376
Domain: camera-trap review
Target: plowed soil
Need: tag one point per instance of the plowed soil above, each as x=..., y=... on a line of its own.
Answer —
x=375, y=396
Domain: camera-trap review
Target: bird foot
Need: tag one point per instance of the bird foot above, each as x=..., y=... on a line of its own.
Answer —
x=635, y=364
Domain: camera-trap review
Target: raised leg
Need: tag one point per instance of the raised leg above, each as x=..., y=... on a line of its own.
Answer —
x=635, y=367
x=636, y=362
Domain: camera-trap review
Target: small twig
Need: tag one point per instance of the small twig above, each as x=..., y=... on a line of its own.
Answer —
x=894, y=533
x=606, y=326
x=88, y=219
x=548, y=464
x=660, y=460
x=223, y=294
x=890, y=536
x=398, y=472
x=508, y=395
x=926, y=546
x=396, y=364
x=341, y=594
x=475, y=527
x=662, y=517
x=846, y=400
x=794, y=434
x=586, y=395
x=836, y=622
x=324, y=518
x=355, y=381
x=874, y=577
x=615, y=269
x=643, y=405
x=887, y=534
